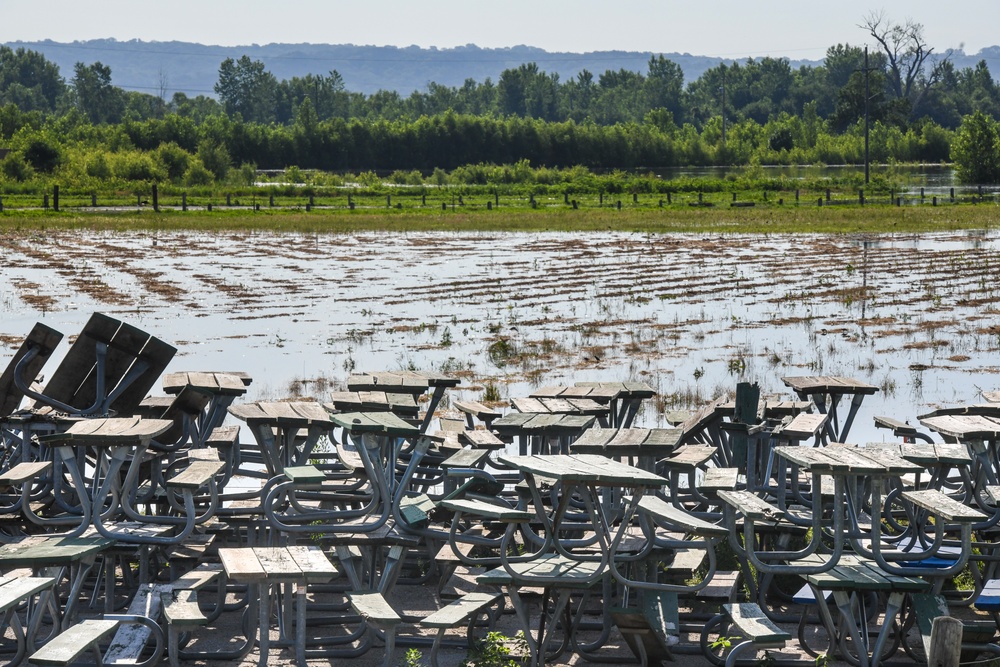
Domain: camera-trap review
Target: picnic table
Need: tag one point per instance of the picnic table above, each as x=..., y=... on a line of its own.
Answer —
x=286, y=432
x=107, y=496
x=222, y=388
x=295, y=567
x=533, y=431
x=398, y=384
x=559, y=560
x=70, y=557
x=848, y=582
x=826, y=392
x=621, y=398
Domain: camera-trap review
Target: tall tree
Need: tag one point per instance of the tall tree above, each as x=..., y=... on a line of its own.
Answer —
x=28, y=80
x=96, y=97
x=910, y=70
x=245, y=87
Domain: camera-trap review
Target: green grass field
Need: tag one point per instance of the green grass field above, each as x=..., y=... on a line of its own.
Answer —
x=784, y=219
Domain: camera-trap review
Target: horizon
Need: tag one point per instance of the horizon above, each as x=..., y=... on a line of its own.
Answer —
x=784, y=28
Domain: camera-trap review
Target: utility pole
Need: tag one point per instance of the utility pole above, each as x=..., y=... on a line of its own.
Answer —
x=723, y=108
x=867, y=70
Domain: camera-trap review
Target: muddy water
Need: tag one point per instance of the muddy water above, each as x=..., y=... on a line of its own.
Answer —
x=691, y=315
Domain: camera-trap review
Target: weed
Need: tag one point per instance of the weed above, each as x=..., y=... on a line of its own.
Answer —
x=493, y=651
x=412, y=658
x=491, y=392
x=446, y=340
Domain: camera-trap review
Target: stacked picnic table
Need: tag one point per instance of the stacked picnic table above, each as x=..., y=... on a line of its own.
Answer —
x=198, y=507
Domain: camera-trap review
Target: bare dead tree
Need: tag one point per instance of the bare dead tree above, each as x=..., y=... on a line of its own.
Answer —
x=907, y=54
x=162, y=84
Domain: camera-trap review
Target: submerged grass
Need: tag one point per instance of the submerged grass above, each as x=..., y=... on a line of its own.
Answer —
x=771, y=219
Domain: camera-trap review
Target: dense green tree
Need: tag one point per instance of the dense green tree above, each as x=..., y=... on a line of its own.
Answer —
x=29, y=81
x=96, y=97
x=246, y=88
x=976, y=149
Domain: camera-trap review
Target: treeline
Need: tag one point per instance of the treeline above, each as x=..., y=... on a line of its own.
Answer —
x=763, y=111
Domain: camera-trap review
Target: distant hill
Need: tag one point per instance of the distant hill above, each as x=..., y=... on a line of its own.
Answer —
x=155, y=67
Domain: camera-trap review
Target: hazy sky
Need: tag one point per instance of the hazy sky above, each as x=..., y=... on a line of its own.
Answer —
x=727, y=28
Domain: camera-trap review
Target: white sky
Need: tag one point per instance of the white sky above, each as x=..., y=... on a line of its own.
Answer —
x=799, y=29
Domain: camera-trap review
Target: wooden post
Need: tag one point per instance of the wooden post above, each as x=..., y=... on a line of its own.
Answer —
x=138, y=200
x=820, y=201
x=312, y=201
x=229, y=200
x=575, y=204
x=388, y=201
x=796, y=196
x=461, y=202
x=921, y=194
x=93, y=199
x=602, y=199
x=209, y=207
x=934, y=200
x=734, y=196
x=270, y=201
x=423, y=200
x=350, y=205
x=444, y=206
x=635, y=198
x=565, y=197
x=670, y=199
x=861, y=197
x=496, y=198
x=899, y=202
x=1, y=204
x=489, y=206
x=45, y=201
x=619, y=204
x=946, y=642
x=184, y=201
x=156, y=198
x=661, y=203
x=309, y=207
x=953, y=195
x=828, y=194
x=699, y=197
x=55, y=198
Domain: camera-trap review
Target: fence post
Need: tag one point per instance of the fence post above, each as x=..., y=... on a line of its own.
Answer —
x=55, y=198
x=946, y=642
x=489, y=206
x=156, y=198
x=861, y=197
x=670, y=199
x=820, y=202
x=1, y=204
x=953, y=195
x=184, y=201
x=635, y=198
x=388, y=201
x=45, y=201
x=229, y=200
x=828, y=194
x=934, y=200
x=93, y=199
x=921, y=194
x=619, y=204
x=796, y=196
x=270, y=201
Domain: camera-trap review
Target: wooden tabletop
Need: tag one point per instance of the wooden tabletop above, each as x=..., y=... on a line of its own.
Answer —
x=303, y=564
x=602, y=392
x=617, y=443
x=586, y=468
x=526, y=423
x=827, y=384
x=846, y=460
x=42, y=551
x=295, y=414
x=964, y=426
x=856, y=573
x=222, y=384
x=384, y=423
x=110, y=431
x=402, y=382
x=564, y=406
x=374, y=401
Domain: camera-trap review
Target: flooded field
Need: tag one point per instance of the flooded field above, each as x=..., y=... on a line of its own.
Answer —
x=690, y=315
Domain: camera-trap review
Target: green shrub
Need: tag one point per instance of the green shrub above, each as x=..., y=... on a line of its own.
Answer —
x=42, y=155
x=97, y=166
x=15, y=168
x=173, y=159
x=197, y=174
